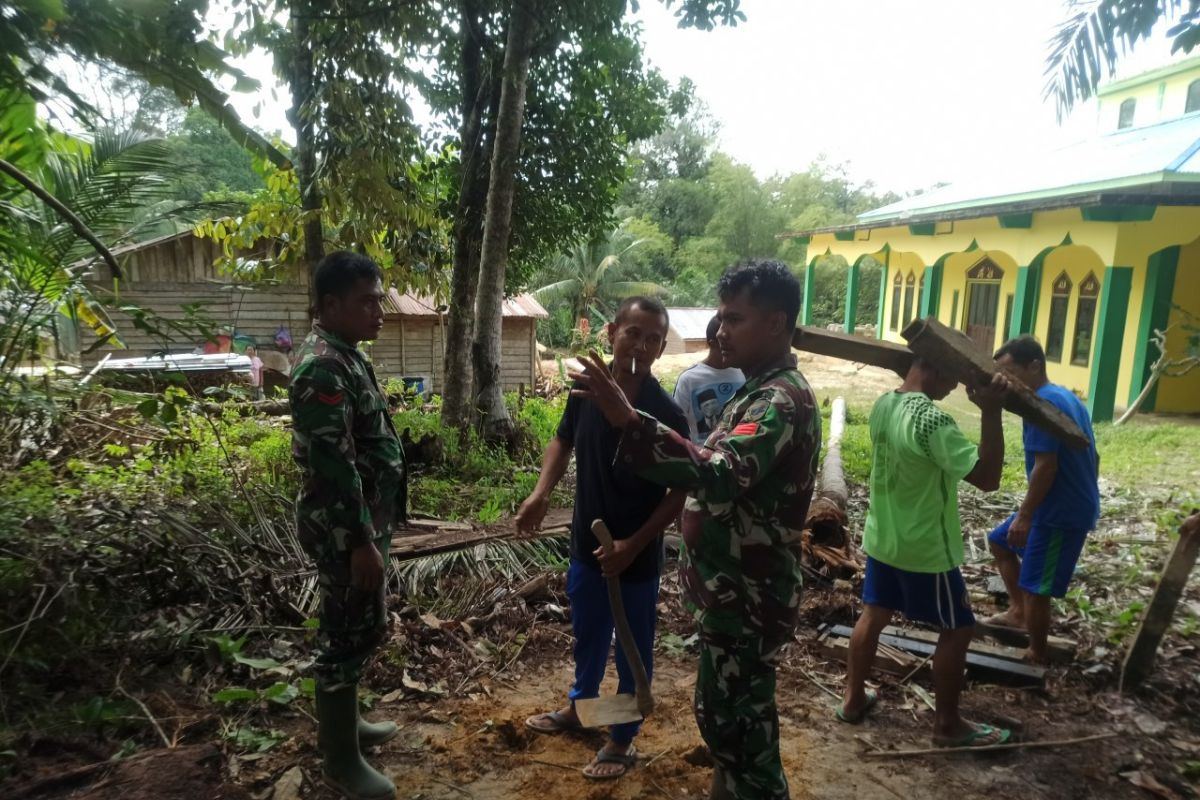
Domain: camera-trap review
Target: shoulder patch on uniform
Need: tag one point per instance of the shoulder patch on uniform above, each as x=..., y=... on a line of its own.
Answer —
x=757, y=410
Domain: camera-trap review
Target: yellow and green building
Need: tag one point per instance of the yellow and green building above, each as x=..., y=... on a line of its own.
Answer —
x=1090, y=247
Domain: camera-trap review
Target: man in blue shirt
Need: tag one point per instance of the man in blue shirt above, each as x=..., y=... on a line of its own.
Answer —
x=1037, y=547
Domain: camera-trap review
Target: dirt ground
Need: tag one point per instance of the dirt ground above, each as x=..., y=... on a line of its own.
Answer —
x=469, y=740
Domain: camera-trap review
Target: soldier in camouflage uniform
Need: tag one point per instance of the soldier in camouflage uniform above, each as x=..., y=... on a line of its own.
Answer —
x=352, y=497
x=749, y=490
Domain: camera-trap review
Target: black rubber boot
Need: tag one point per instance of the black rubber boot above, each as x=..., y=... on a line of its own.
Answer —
x=337, y=738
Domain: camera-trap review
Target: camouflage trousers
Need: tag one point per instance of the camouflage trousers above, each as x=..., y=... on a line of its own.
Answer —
x=353, y=623
x=736, y=713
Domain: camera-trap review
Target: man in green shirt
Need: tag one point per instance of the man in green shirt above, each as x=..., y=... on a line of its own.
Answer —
x=913, y=538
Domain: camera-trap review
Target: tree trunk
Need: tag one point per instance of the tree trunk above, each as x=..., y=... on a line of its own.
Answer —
x=306, y=158
x=493, y=417
x=467, y=231
x=1155, y=373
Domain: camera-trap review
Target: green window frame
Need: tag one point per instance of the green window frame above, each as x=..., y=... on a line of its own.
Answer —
x=909, y=284
x=897, y=286
x=1085, y=321
x=1008, y=312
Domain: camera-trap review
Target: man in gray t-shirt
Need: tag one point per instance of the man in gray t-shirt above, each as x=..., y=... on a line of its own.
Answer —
x=703, y=389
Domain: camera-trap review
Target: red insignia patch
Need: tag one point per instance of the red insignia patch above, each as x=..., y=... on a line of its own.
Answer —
x=746, y=429
x=330, y=399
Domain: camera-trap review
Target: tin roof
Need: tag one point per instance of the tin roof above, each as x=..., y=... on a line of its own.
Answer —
x=691, y=323
x=412, y=304
x=1158, y=162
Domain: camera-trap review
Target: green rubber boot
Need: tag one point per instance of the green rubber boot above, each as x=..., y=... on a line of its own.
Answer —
x=373, y=734
x=337, y=738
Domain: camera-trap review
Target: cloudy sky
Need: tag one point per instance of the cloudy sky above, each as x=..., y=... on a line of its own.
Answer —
x=909, y=93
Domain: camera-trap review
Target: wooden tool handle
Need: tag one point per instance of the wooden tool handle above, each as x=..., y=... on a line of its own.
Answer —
x=645, y=699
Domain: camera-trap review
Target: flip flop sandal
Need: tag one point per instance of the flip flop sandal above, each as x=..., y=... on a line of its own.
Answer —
x=982, y=736
x=557, y=723
x=855, y=719
x=627, y=760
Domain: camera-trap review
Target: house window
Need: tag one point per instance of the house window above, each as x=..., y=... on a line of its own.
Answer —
x=1057, y=332
x=897, y=284
x=1193, y=98
x=1008, y=307
x=1085, y=320
x=954, y=310
x=1125, y=117
x=920, y=310
x=910, y=284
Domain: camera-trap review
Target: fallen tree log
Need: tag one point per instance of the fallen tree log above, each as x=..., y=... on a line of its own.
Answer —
x=957, y=355
x=1140, y=659
x=824, y=539
x=875, y=352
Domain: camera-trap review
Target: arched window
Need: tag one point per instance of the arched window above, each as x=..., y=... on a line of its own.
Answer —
x=1085, y=320
x=897, y=287
x=1056, y=334
x=1125, y=117
x=1193, y=98
x=910, y=283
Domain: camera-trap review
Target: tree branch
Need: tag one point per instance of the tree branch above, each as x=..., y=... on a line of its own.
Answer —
x=80, y=228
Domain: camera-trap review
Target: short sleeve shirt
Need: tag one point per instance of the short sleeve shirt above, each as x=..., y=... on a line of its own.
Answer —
x=702, y=393
x=1073, y=502
x=919, y=456
x=605, y=490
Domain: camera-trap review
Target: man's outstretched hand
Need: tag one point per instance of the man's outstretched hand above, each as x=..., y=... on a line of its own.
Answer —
x=597, y=384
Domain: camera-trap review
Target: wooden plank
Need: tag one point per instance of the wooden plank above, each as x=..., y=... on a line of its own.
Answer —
x=1140, y=659
x=1058, y=649
x=418, y=542
x=956, y=354
x=877, y=353
x=979, y=666
x=901, y=665
x=1015, y=652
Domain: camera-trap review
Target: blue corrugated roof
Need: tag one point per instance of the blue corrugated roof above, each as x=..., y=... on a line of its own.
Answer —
x=1141, y=158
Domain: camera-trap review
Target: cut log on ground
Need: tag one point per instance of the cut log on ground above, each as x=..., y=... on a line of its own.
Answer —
x=957, y=355
x=1140, y=660
x=877, y=353
x=825, y=539
x=430, y=537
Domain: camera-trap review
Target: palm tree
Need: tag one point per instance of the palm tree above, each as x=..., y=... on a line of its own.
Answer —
x=589, y=278
x=1097, y=32
x=79, y=200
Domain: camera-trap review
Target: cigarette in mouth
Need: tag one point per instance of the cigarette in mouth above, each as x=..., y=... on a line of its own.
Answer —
x=634, y=369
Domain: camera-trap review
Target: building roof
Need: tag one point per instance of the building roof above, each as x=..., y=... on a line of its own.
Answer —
x=1157, y=163
x=691, y=323
x=413, y=304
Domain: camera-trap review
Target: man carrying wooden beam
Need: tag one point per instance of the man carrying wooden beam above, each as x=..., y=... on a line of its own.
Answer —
x=913, y=537
x=749, y=489
x=1037, y=547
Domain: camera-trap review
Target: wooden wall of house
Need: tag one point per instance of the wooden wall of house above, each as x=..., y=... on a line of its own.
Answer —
x=420, y=351
x=165, y=276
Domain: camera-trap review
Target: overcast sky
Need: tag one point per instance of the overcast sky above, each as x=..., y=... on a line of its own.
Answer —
x=910, y=93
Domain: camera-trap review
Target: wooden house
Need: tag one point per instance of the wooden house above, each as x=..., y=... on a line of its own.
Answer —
x=171, y=273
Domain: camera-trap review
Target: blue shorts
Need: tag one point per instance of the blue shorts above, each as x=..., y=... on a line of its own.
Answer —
x=939, y=598
x=1047, y=559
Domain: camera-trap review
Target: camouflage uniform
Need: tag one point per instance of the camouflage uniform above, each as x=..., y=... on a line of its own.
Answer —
x=750, y=486
x=354, y=490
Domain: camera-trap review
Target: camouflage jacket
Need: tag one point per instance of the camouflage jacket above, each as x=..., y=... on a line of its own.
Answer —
x=354, y=487
x=749, y=490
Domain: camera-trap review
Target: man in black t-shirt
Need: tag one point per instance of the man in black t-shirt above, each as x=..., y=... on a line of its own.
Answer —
x=636, y=512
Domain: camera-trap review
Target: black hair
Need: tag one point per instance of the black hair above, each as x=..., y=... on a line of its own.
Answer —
x=1024, y=350
x=650, y=304
x=771, y=285
x=337, y=273
x=707, y=394
x=714, y=325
